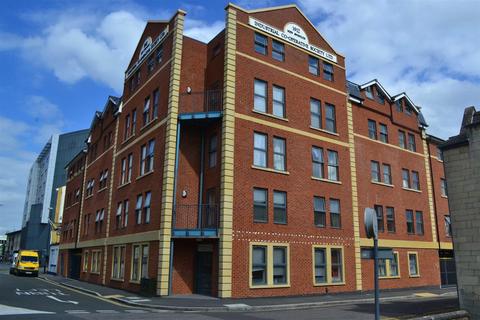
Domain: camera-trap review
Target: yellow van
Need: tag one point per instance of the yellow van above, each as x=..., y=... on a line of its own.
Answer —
x=25, y=262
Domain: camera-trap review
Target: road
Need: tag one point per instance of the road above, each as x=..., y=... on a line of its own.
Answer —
x=33, y=298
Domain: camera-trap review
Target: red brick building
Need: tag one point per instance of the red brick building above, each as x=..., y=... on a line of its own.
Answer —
x=242, y=167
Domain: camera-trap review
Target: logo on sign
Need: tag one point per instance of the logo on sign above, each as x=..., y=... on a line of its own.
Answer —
x=295, y=31
x=145, y=48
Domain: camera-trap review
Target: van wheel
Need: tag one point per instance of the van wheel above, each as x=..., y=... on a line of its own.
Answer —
x=11, y=271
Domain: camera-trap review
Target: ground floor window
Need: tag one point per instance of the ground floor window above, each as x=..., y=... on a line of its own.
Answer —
x=269, y=265
x=388, y=268
x=96, y=261
x=118, y=269
x=413, y=264
x=139, y=262
x=85, y=261
x=328, y=267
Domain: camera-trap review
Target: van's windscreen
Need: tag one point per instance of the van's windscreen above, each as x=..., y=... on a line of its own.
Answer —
x=29, y=259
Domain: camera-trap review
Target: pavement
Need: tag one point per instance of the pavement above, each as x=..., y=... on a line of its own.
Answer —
x=54, y=297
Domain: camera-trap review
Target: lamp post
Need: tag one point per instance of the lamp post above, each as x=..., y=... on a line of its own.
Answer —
x=371, y=229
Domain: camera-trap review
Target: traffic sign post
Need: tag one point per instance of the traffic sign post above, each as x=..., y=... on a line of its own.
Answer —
x=371, y=228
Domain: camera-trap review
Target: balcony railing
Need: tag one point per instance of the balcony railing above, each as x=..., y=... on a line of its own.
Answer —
x=196, y=220
x=205, y=101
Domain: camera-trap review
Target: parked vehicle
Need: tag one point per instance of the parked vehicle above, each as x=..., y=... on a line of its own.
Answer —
x=25, y=262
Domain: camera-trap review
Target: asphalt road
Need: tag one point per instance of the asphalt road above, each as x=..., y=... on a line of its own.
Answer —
x=33, y=298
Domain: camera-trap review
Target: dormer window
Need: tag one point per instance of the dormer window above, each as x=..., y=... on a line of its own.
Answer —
x=399, y=106
x=379, y=97
x=369, y=92
x=408, y=110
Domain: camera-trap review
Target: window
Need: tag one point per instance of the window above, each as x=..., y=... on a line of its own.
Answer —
x=317, y=162
x=146, y=206
x=259, y=265
x=126, y=204
x=118, y=216
x=315, y=113
x=102, y=183
x=369, y=93
x=130, y=163
x=260, y=150
x=269, y=265
x=279, y=265
x=279, y=207
x=394, y=272
x=261, y=43
x=372, y=129
x=398, y=105
x=411, y=142
x=380, y=220
x=138, y=209
x=146, y=162
x=443, y=187
x=143, y=154
x=388, y=268
x=212, y=151
x=337, y=265
x=150, y=64
x=144, y=262
x=419, y=222
x=401, y=139
x=159, y=54
x=118, y=270
x=448, y=226
x=320, y=261
x=413, y=264
x=127, y=132
x=383, y=133
x=313, y=65
x=279, y=101
x=375, y=171
x=134, y=121
x=156, y=98
x=390, y=219
x=139, y=262
x=408, y=110
x=123, y=174
x=327, y=71
x=415, y=180
x=409, y=219
x=333, y=165
x=382, y=268
x=135, y=276
x=96, y=261
x=335, y=221
x=387, y=174
x=146, y=111
x=85, y=261
x=439, y=154
x=319, y=212
x=330, y=122
x=379, y=97
x=279, y=154
x=260, y=208
x=260, y=96
x=278, y=50
x=405, y=179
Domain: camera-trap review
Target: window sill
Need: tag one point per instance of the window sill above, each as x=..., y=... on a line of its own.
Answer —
x=149, y=124
x=131, y=137
x=135, y=281
x=117, y=279
x=325, y=131
x=270, y=115
x=414, y=276
x=382, y=184
x=412, y=190
x=389, y=277
x=103, y=189
x=329, y=284
x=144, y=175
x=270, y=286
x=326, y=180
x=88, y=197
x=123, y=185
x=444, y=197
x=270, y=170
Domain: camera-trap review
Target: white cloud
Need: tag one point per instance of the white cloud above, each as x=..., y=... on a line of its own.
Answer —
x=202, y=30
x=426, y=48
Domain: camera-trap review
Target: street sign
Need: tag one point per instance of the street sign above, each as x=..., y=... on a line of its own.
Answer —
x=383, y=253
x=371, y=223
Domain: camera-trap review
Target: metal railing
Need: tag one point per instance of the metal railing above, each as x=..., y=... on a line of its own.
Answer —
x=194, y=216
x=204, y=101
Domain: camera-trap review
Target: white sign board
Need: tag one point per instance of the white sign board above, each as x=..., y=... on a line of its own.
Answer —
x=294, y=34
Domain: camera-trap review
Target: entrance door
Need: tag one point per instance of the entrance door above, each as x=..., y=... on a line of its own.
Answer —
x=75, y=264
x=203, y=275
x=447, y=271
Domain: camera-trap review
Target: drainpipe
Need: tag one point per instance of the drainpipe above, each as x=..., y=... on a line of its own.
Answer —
x=177, y=151
x=200, y=188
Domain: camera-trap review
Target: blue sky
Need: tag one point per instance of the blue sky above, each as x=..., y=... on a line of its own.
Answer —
x=61, y=59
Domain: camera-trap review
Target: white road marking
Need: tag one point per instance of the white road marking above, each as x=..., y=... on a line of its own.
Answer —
x=107, y=311
x=7, y=310
x=136, y=311
x=63, y=301
x=76, y=311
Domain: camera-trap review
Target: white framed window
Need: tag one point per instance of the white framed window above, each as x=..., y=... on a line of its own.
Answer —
x=260, y=149
x=260, y=96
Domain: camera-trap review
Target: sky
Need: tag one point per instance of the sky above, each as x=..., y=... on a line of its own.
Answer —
x=60, y=60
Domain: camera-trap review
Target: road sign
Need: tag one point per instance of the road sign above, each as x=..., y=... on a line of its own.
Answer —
x=383, y=253
x=371, y=223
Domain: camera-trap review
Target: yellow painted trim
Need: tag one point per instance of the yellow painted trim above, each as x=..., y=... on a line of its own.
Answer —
x=417, y=262
x=446, y=245
x=65, y=246
x=353, y=177
x=328, y=267
x=388, y=267
x=227, y=158
x=82, y=199
x=291, y=45
x=289, y=129
x=291, y=73
x=269, y=276
x=364, y=242
x=388, y=145
x=165, y=230
x=124, y=239
x=284, y=7
x=433, y=220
